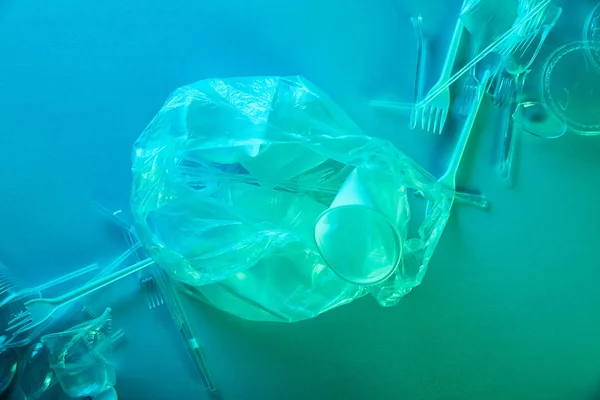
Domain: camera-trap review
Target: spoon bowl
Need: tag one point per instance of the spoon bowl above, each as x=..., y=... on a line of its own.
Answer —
x=534, y=118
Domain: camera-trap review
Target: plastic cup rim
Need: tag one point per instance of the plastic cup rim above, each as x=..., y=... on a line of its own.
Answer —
x=397, y=240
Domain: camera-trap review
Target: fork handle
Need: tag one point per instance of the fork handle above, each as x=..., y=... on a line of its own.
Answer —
x=449, y=177
x=102, y=282
x=419, y=69
x=67, y=277
x=509, y=145
x=452, y=51
x=509, y=139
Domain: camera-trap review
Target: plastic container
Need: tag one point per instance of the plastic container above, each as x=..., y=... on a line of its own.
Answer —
x=81, y=357
x=571, y=87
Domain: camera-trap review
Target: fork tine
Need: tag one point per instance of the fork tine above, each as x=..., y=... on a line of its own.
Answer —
x=530, y=25
x=519, y=45
x=508, y=46
x=532, y=28
x=444, y=117
x=429, y=118
x=23, y=329
x=527, y=44
x=423, y=112
x=440, y=121
x=152, y=292
x=15, y=308
x=503, y=93
x=414, y=117
x=524, y=30
x=522, y=46
x=19, y=321
x=436, y=117
x=159, y=300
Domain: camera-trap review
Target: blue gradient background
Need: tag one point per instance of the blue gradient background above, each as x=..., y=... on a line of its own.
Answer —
x=510, y=306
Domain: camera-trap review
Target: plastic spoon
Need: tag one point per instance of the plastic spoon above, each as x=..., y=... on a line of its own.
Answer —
x=534, y=119
x=517, y=65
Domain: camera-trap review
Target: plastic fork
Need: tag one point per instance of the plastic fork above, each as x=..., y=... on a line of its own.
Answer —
x=51, y=283
x=148, y=283
x=517, y=65
x=467, y=98
x=526, y=33
x=160, y=290
x=153, y=294
x=449, y=177
x=40, y=310
x=14, y=296
x=497, y=46
x=503, y=90
x=471, y=101
x=435, y=112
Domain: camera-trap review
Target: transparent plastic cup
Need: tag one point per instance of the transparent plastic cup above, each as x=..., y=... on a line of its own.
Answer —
x=358, y=236
x=81, y=357
x=86, y=379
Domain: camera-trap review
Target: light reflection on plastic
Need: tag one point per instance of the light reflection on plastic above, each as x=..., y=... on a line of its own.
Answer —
x=240, y=275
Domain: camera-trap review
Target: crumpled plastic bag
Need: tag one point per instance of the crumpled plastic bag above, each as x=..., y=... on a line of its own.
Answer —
x=229, y=178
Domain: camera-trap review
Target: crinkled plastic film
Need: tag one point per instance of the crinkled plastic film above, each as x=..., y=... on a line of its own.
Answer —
x=229, y=178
